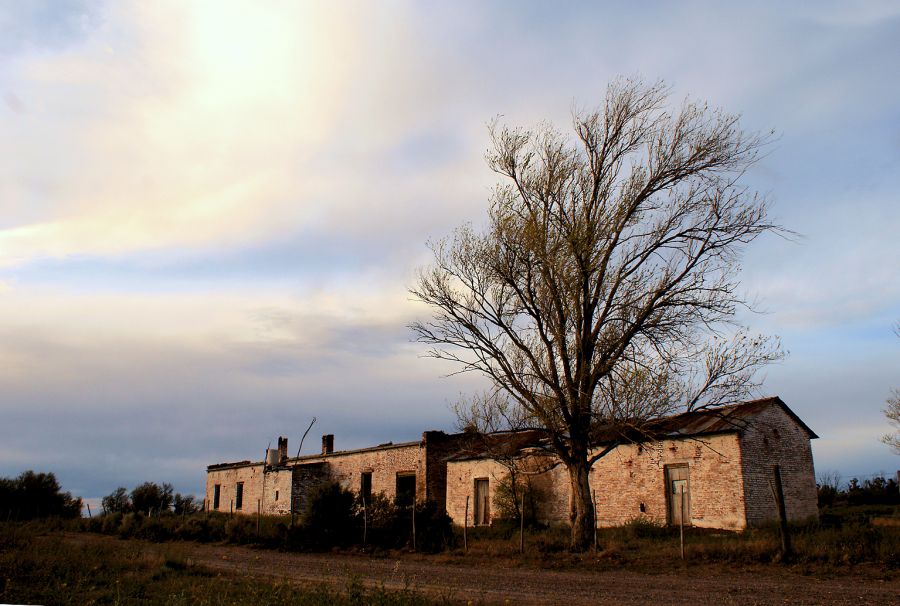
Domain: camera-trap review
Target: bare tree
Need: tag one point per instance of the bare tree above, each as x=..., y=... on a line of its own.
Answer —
x=602, y=292
x=892, y=412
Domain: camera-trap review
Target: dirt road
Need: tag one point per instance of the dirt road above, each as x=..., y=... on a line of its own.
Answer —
x=487, y=582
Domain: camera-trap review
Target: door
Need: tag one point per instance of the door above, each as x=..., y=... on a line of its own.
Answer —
x=482, y=502
x=678, y=486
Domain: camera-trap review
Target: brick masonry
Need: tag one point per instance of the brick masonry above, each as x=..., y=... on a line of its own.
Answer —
x=728, y=478
x=728, y=473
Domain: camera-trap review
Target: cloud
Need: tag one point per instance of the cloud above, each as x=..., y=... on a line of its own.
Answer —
x=210, y=211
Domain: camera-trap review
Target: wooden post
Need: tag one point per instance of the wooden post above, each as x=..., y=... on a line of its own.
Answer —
x=414, y=524
x=231, y=508
x=778, y=493
x=681, y=522
x=365, y=521
x=466, y=527
x=522, y=524
x=258, y=514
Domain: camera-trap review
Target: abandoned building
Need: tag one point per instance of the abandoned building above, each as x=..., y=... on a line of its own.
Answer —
x=713, y=467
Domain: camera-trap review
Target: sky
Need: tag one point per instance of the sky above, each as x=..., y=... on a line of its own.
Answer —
x=211, y=212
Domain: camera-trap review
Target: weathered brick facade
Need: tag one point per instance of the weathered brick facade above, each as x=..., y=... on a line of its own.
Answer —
x=728, y=475
x=723, y=459
x=280, y=487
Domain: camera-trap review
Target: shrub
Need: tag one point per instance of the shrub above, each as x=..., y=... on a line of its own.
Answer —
x=117, y=501
x=36, y=495
x=185, y=504
x=514, y=490
x=330, y=519
x=434, y=529
x=150, y=497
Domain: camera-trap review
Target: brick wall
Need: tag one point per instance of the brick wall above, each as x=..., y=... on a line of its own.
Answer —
x=250, y=474
x=625, y=479
x=634, y=475
x=774, y=438
x=383, y=463
x=461, y=476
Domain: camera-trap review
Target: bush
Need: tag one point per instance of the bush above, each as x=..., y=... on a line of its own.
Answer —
x=151, y=498
x=514, y=490
x=117, y=501
x=36, y=495
x=434, y=529
x=331, y=518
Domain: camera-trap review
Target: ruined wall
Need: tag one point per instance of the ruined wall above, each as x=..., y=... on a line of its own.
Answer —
x=775, y=438
x=228, y=478
x=461, y=476
x=276, y=498
x=625, y=480
x=632, y=478
x=383, y=463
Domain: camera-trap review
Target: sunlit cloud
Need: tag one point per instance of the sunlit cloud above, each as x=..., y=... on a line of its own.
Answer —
x=214, y=210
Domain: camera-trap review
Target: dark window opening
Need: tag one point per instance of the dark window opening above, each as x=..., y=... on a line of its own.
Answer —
x=239, y=496
x=216, y=493
x=406, y=489
x=365, y=485
x=276, y=495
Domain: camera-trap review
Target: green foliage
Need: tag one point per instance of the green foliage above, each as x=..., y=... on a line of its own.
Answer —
x=117, y=501
x=36, y=495
x=873, y=491
x=513, y=490
x=185, y=504
x=330, y=519
x=150, y=498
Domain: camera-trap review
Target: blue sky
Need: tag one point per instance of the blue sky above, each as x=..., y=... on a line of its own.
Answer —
x=211, y=212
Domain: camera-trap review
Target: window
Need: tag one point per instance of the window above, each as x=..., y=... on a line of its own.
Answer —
x=276, y=495
x=216, y=493
x=239, y=495
x=365, y=485
x=406, y=489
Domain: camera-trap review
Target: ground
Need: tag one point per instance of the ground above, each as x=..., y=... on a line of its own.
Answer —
x=505, y=580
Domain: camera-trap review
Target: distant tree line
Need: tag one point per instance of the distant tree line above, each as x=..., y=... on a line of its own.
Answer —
x=36, y=495
x=873, y=491
x=149, y=498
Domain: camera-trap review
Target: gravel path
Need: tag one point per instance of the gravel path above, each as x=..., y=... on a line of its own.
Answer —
x=494, y=582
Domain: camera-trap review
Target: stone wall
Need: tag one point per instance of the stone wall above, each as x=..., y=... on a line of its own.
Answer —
x=228, y=477
x=383, y=463
x=774, y=438
x=628, y=483
x=461, y=476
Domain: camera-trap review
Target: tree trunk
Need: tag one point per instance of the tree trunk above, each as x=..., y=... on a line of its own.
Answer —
x=583, y=523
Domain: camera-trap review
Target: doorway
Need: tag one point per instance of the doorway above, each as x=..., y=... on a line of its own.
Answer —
x=482, y=502
x=678, y=493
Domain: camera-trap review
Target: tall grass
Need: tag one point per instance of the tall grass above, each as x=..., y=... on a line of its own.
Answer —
x=48, y=568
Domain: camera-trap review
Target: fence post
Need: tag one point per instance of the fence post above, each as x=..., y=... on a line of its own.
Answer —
x=231, y=508
x=681, y=523
x=89, y=510
x=365, y=521
x=466, y=527
x=414, y=525
x=522, y=524
x=778, y=493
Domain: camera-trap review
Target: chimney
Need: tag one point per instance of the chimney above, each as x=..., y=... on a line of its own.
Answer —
x=327, y=443
x=282, y=450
